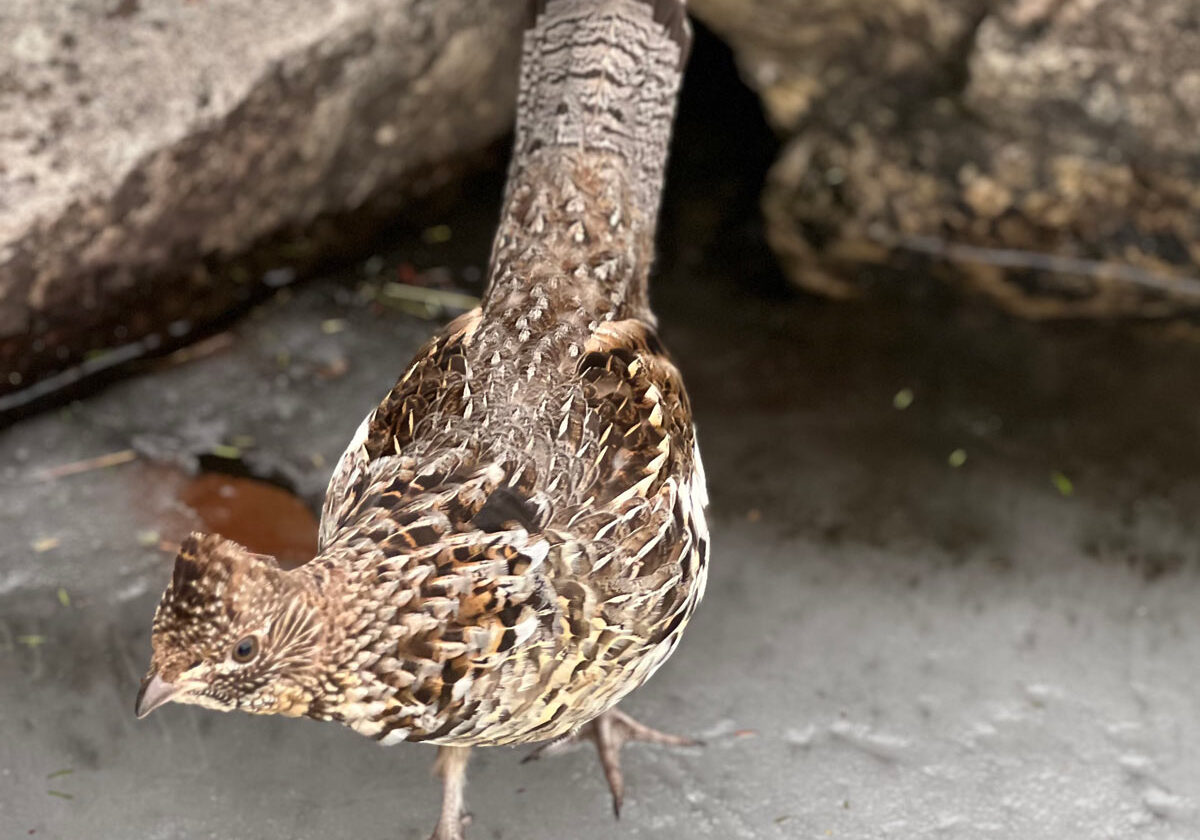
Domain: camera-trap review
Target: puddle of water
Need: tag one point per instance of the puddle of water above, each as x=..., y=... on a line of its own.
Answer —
x=264, y=518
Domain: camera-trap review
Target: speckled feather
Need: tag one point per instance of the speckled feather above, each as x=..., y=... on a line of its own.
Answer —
x=515, y=538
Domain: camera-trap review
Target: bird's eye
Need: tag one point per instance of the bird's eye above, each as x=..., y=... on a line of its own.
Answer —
x=246, y=649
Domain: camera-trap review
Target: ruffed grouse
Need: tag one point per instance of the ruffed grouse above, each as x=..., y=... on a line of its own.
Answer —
x=515, y=538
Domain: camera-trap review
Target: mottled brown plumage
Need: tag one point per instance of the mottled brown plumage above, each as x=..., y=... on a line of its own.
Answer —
x=515, y=538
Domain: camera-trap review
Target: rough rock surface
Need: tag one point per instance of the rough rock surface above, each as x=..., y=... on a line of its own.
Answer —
x=145, y=146
x=1041, y=152
x=844, y=60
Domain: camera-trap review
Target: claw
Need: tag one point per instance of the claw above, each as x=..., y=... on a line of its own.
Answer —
x=609, y=732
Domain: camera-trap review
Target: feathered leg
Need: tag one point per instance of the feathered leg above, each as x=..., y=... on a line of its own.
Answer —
x=451, y=765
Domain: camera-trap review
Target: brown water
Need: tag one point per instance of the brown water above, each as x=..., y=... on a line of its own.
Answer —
x=264, y=518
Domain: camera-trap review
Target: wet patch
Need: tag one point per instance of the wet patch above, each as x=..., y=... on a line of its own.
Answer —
x=265, y=518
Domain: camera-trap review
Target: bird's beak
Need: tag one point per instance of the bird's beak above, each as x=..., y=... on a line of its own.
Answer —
x=155, y=691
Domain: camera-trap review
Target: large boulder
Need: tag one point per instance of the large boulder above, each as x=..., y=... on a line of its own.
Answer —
x=1041, y=152
x=144, y=147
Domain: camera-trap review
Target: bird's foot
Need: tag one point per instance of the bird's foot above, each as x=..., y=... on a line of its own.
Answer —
x=452, y=829
x=609, y=732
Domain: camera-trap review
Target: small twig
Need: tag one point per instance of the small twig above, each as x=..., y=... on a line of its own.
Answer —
x=200, y=349
x=431, y=299
x=1180, y=284
x=100, y=462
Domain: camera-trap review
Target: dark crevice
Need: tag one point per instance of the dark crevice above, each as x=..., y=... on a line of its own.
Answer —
x=957, y=66
x=711, y=224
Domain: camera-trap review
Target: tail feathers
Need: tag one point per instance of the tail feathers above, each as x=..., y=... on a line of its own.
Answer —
x=603, y=76
x=599, y=82
x=671, y=15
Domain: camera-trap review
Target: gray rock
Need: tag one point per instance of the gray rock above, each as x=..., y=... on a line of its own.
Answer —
x=1040, y=153
x=144, y=148
x=847, y=59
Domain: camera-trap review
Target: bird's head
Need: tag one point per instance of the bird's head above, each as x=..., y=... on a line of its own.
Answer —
x=233, y=631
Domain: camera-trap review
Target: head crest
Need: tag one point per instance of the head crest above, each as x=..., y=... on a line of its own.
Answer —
x=230, y=630
x=213, y=557
x=210, y=570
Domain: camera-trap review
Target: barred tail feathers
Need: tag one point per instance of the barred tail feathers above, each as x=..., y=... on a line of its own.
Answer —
x=599, y=82
x=602, y=76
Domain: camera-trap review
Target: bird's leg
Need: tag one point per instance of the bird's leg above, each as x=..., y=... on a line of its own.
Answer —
x=451, y=765
x=609, y=732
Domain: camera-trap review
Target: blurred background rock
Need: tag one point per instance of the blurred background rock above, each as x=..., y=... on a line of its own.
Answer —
x=1040, y=152
x=161, y=162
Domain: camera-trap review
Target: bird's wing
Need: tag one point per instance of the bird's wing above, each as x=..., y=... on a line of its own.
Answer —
x=436, y=375
x=635, y=547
